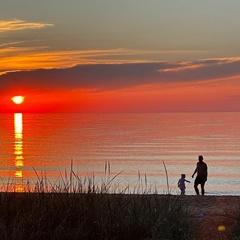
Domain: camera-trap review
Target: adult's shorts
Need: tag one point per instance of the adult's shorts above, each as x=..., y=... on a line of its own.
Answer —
x=200, y=180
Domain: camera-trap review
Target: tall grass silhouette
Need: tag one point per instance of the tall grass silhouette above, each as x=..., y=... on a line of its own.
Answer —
x=78, y=208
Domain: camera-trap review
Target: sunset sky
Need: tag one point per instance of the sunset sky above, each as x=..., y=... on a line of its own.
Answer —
x=120, y=56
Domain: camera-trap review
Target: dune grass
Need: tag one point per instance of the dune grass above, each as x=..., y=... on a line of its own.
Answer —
x=77, y=208
x=91, y=216
x=82, y=208
x=236, y=232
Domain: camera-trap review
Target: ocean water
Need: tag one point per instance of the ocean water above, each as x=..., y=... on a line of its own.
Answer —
x=136, y=152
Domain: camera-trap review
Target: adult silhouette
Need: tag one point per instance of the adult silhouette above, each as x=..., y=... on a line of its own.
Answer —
x=202, y=174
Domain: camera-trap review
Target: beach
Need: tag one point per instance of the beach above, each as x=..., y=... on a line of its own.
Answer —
x=118, y=216
x=210, y=212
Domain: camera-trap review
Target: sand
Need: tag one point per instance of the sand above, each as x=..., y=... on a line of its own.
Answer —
x=210, y=212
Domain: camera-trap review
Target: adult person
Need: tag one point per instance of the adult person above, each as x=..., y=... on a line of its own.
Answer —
x=202, y=173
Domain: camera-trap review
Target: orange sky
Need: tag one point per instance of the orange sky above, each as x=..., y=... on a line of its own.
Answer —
x=198, y=96
x=150, y=57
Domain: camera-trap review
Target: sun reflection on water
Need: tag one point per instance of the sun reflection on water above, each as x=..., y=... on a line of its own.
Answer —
x=18, y=147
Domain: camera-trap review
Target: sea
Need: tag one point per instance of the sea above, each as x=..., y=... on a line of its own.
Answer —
x=119, y=152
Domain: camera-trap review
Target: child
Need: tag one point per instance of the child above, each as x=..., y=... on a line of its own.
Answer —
x=181, y=183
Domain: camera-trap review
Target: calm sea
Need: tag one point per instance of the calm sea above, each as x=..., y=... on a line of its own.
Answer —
x=136, y=152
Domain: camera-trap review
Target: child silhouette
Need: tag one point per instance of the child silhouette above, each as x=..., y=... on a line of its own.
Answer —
x=181, y=183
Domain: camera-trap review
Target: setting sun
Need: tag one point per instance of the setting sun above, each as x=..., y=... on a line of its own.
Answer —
x=18, y=99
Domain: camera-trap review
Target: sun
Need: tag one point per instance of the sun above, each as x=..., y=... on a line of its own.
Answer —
x=18, y=99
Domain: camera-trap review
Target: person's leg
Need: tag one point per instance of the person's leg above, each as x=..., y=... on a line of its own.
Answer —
x=202, y=188
x=182, y=191
x=196, y=188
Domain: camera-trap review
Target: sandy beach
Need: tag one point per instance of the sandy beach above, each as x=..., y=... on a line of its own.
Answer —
x=210, y=212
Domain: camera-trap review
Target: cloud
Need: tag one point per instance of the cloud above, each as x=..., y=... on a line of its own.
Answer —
x=17, y=25
x=101, y=77
x=94, y=76
x=15, y=58
x=182, y=66
x=31, y=58
x=208, y=69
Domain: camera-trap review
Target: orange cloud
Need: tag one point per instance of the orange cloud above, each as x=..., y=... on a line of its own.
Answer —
x=15, y=58
x=17, y=25
x=30, y=58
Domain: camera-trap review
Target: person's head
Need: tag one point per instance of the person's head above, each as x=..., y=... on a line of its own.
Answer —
x=200, y=158
x=183, y=175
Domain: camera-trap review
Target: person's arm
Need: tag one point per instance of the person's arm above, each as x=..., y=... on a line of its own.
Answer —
x=194, y=172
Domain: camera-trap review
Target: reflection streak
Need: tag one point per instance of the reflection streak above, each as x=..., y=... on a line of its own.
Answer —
x=18, y=144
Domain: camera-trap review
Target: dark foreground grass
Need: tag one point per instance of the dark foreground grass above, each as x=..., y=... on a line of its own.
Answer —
x=97, y=216
x=236, y=231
